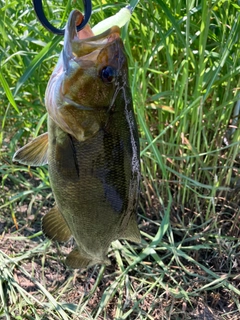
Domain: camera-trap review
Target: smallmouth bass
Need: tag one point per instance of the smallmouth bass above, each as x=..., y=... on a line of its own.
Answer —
x=91, y=147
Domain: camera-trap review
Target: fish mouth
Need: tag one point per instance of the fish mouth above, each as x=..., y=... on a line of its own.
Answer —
x=83, y=45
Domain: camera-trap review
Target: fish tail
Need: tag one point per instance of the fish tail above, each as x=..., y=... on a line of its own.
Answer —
x=77, y=258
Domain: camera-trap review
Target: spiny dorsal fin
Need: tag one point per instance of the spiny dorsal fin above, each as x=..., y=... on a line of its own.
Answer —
x=54, y=226
x=132, y=232
x=34, y=153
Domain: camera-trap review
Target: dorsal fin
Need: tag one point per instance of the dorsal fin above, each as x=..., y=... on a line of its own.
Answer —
x=34, y=153
x=131, y=232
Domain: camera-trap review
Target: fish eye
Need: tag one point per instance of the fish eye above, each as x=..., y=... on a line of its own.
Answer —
x=108, y=74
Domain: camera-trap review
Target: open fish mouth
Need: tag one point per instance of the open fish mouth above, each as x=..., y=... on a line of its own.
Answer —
x=83, y=45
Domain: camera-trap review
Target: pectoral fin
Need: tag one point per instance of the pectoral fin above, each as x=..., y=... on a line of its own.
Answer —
x=54, y=226
x=77, y=258
x=34, y=153
x=131, y=232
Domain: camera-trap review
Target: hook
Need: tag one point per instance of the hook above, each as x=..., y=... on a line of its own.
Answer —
x=37, y=4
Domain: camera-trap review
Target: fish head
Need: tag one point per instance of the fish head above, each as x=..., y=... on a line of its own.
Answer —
x=90, y=72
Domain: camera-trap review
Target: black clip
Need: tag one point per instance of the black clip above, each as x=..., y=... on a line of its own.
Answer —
x=41, y=16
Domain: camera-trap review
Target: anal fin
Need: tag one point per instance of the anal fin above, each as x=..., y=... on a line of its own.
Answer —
x=34, y=153
x=54, y=226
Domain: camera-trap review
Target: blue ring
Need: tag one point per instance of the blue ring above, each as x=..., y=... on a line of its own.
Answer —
x=38, y=7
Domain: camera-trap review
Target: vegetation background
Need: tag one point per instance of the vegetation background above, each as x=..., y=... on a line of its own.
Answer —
x=184, y=65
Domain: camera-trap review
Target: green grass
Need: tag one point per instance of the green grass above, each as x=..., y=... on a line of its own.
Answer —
x=184, y=65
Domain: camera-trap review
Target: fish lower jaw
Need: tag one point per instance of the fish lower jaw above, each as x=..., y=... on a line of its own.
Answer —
x=67, y=101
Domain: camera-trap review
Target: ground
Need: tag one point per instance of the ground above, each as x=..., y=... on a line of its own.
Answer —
x=37, y=265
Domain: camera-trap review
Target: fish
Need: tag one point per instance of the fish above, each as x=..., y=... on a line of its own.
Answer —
x=91, y=147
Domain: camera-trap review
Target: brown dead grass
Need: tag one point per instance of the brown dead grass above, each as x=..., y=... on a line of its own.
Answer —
x=72, y=287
